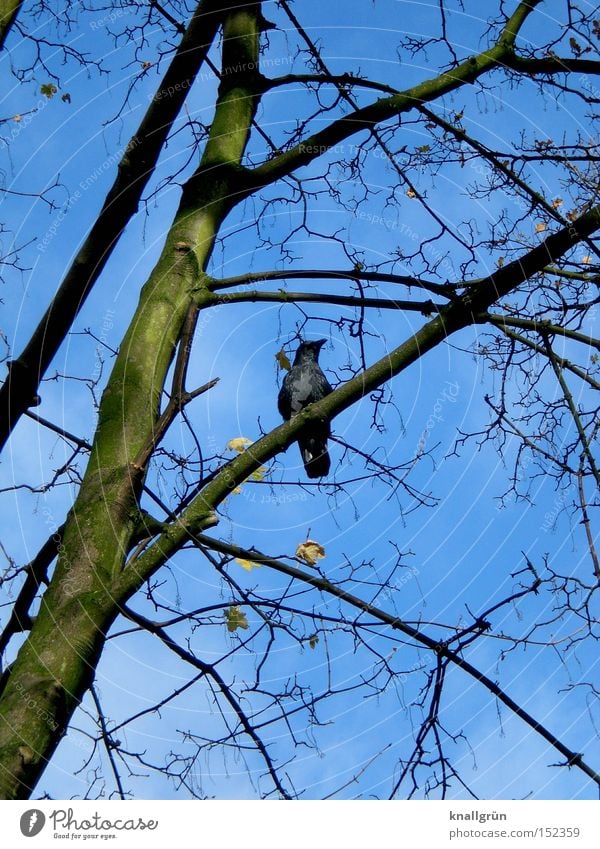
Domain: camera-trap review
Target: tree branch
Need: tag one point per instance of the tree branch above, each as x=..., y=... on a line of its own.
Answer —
x=440, y=649
x=444, y=290
x=121, y=203
x=36, y=574
x=367, y=117
x=465, y=310
x=552, y=65
x=285, y=297
x=571, y=405
x=566, y=364
x=210, y=671
x=539, y=326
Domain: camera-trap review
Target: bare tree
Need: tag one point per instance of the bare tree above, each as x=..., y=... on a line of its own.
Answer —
x=474, y=240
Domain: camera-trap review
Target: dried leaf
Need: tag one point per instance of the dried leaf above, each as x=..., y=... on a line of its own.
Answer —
x=575, y=46
x=239, y=444
x=17, y=118
x=586, y=259
x=411, y=193
x=557, y=202
x=235, y=619
x=258, y=474
x=313, y=641
x=283, y=360
x=310, y=551
x=540, y=227
x=500, y=261
x=48, y=90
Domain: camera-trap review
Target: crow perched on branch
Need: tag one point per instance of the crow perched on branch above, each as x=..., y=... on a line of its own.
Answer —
x=304, y=384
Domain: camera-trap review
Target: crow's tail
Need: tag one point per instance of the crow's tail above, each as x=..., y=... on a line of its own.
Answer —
x=313, y=447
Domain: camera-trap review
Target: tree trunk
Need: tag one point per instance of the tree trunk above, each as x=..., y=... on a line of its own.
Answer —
x=56, y=664
x=9, y=9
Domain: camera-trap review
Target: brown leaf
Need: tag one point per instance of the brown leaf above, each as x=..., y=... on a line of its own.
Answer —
x=48, y=90
x=310, y=551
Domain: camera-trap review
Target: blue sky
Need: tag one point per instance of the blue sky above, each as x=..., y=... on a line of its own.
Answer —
x=462, y=551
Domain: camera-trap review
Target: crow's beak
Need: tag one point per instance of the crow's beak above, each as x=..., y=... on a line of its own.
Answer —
x=319, y=342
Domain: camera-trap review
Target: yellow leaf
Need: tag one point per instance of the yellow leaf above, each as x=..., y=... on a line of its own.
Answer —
x=239, y=444
x=17, y=118
x=310, y=551
x=500, y=261
x=248, y=565
x=540, y=227
x=283, y=360
x=411, y=193
x=235, y=619
x=557, y=202
x=586, y=260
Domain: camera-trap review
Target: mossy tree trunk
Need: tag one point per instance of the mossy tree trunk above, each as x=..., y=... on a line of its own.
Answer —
x=57, y=661
x=9, y=9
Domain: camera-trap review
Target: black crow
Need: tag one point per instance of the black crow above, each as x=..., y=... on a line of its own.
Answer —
x=304, y=384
